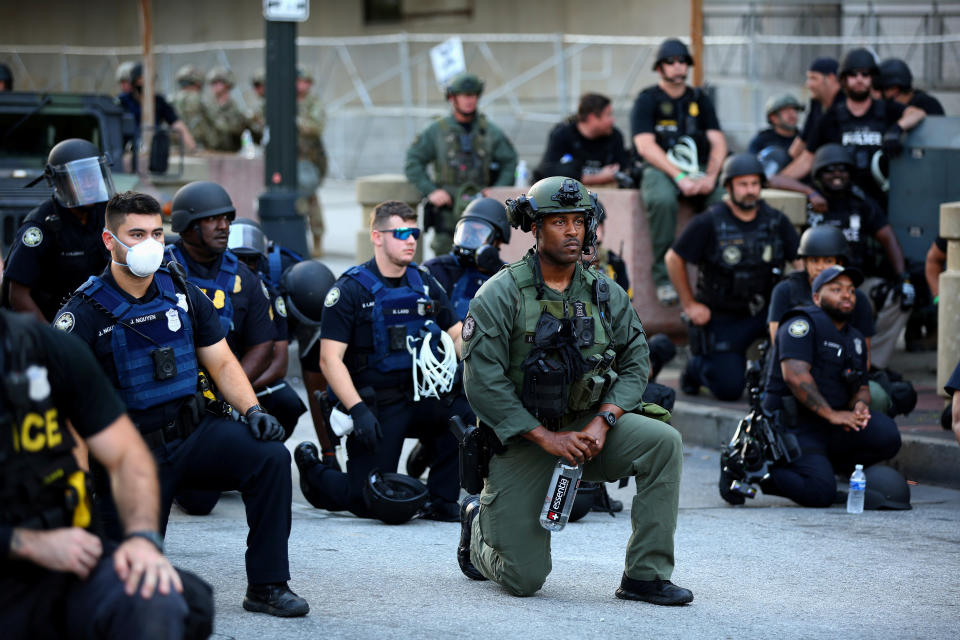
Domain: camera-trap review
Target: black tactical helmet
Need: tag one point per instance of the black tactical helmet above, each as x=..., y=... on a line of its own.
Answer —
x=393, y=498
x=858, y=59
x=199, y=200
x=584, y=500
x=78, y=173
x=464, y=83
x=6, y=76
x=672, y=48
x=491, y=211
x=742, y=164
x=306, y=285
x=886, y=489
x=823, y=241
x=247, y=238
x=828, y=154
x=894, y=72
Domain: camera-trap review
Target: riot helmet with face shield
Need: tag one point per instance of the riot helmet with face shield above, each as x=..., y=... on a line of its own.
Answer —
x=79, y=174
x=481, y=228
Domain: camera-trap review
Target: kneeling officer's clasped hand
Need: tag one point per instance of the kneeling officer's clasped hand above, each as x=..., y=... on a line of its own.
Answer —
x=262, y=425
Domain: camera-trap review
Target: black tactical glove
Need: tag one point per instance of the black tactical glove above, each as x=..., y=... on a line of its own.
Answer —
x=262, y=425
x=366, y=427
x=907, y=293
x=892, y=145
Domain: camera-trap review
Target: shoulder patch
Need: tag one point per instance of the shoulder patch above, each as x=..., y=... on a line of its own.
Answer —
x=237, y=287
x=263, y=288
x=281, y=306
x=469, y=326
x=64, y=322
x=799, y=328
x=333, y=296
x=32, y=236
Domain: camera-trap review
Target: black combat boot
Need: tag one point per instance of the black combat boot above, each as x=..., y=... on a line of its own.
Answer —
x=306, y=457
x=276, y=599
x=469, y=509
x=662, y=592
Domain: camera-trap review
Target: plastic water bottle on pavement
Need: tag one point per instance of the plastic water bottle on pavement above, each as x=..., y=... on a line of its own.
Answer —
x=523, y=175
x=858, y=488
x=560, y=494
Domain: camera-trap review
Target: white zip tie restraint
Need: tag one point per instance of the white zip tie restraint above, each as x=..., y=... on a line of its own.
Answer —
x=684, y=156
x=432, y=377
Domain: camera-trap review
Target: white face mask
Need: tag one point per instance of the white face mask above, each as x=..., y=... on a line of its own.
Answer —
x=143, y=258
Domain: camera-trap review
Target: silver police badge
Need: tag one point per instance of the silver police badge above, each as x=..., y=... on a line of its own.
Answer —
x=38, y=384
x=858, y=346
x=281, y=307
x=32, y=236
x=798, y=328
x=64, y=322
x=469, y=326
x=333, y=296
x=732, y=255
x=173, y=320
x=182, y=301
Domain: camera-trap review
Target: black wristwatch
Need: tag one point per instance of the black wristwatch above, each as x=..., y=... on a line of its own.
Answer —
x=152, y=536
x=609, y=417
x=254, y=408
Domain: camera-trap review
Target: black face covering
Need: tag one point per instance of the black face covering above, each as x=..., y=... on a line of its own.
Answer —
x=488, y=258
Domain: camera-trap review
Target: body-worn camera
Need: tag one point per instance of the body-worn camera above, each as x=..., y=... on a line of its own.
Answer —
x=164, y=363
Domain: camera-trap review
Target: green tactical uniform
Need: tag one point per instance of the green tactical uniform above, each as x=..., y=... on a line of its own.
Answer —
x=311, y=165
x=257, y=119
x=479, y=156
x=508, y=545
x=227, y=123
x=189, y=106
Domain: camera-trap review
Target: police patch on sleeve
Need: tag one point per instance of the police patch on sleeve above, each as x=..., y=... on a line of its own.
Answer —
x=32, y=236
x=799, y=328
x=469, y=326
x=281, y=307
x=64, y=322
x=333, y=296
x=263, y=287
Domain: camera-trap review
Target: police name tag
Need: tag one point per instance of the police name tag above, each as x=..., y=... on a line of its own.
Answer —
x=173, y=320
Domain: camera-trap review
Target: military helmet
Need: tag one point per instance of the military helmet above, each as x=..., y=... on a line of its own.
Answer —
x=886, y=489
x=858, y=59
x=894, y=72
x=246, y=238
x=464, y=83
x=303, y=73
x=222, y=74
x=781, y=101
x=672, y=48
x=823, y=241
x=6, y=76
x=393, y=498
x=79, y=173
x=258, y=78
x=549, y=196
x=124, y=70
x=742, y=164
x=828, y=154
x=491, y=211
x=189, y=75
x=198, y=200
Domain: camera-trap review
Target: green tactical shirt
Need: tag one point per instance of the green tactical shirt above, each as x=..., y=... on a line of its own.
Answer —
x=190, y=107
x=227, y=123
x=494, y=322
x=428, y=148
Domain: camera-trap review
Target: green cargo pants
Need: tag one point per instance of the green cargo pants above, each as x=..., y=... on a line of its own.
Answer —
x=660, y=202
x=509, y=546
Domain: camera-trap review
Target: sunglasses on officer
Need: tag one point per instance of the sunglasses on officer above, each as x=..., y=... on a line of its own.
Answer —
x=674, y=60
x=403, y=233
x=862, y=73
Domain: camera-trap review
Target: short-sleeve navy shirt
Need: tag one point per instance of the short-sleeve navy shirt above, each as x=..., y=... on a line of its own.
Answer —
x=794, y=291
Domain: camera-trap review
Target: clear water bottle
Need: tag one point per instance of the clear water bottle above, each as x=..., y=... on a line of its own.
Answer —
x=560, y=494
x=523, y=175
x=247, y=148
x=858, y=488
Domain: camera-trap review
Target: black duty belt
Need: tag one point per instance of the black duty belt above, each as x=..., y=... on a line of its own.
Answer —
x=180, y=428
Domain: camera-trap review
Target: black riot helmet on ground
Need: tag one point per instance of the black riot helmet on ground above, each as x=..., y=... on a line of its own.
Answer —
x=894, y=72
x=858, y=59
x=247, y=238
x=886, y=489
x=555, y=195
x=823, y=241
x=393, y=498
x=79, y=174
x=742, y=164
x=482, y=225
x=672, y=48
x=199, y=200
x=305, y=286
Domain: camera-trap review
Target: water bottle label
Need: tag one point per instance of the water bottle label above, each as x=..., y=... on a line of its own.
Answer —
x=560, y=493
x=858, y=485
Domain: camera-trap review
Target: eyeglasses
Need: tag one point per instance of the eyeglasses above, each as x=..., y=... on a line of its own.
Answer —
x=402, y=233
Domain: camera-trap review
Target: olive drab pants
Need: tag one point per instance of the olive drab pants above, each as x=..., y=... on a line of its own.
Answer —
x=509, y=546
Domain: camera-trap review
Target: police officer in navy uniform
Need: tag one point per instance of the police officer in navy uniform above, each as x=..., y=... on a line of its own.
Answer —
x=740, y=247
x=818, y=385
x=480, y=232
x=58, y=578
x=374, y=313
x=248, y=242
x=151, y=332
x=58, y=246
x=864, y=125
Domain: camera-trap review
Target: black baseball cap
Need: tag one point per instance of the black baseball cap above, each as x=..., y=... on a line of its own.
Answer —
x=824, y=65
x=832, y=273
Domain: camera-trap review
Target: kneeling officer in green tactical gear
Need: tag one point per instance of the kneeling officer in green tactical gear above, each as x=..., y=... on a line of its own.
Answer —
x=575, y=395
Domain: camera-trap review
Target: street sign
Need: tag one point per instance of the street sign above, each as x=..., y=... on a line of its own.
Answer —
x=447, y=59
x=286, y=10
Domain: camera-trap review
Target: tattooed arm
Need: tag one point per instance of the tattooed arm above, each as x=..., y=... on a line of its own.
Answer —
x=796, y=373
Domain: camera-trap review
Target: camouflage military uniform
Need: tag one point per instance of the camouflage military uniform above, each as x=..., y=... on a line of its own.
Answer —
x=227, y=123
x=189, y=106
x=311, y=165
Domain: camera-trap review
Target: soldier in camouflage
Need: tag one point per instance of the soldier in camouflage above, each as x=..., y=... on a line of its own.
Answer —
x=227, y=121
x=468, y=153
x=188, y=103
x=311, y=156
x=256, y=118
